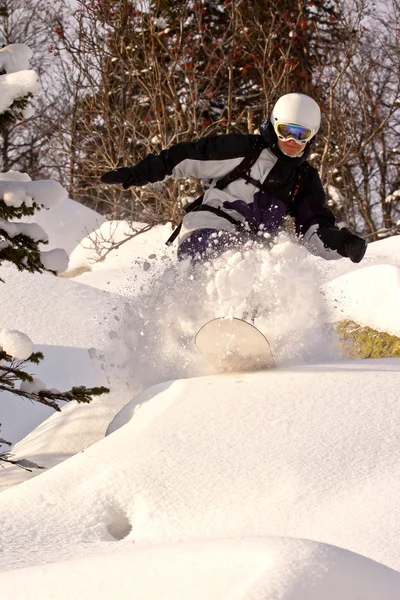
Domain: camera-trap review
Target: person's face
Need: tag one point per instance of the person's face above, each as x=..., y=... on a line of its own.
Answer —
x=291, y=147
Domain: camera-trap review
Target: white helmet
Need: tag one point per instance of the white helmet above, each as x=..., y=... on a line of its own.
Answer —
x=297, y=109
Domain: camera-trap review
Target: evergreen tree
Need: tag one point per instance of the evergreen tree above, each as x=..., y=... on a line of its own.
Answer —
x=20, y=242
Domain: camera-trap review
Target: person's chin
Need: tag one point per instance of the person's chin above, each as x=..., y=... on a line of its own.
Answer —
x=291, y=150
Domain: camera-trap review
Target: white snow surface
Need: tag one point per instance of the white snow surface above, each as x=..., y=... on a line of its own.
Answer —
x=185, y=484
x=15, y=57
x=68, y=224
x=54, y=260
x=116, y=270
x=14, y=86
x=16, y=344
x=46, y=193
x=250, y=568
x=357, y=296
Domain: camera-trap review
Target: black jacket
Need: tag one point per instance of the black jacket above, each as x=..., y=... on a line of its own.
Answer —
x=290, y=186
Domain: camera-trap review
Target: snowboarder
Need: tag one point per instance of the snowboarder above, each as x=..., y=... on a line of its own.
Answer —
x=257, y=181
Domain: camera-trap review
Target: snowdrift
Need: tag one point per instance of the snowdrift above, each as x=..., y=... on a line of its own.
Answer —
x=299, y=452
x=248, y=569
x=91, y=262
x=209, y=486
x=371, y=297
x=67, y=224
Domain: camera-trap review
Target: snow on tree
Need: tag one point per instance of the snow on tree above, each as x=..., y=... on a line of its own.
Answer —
x=19, y=196
x=21, y=243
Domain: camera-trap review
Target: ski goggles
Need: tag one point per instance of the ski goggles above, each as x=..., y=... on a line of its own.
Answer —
x=286, y=131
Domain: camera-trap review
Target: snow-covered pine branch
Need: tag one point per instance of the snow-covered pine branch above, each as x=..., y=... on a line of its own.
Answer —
x=19, y=196
x=17, y=82
x=16, y=352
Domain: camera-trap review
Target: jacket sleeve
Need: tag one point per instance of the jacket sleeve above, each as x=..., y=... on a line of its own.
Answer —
x=310, y=207
x=314, y=221
x=207, y=158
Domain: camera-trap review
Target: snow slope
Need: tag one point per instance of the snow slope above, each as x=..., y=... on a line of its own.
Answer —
x=250, y=569
x=281, y=484
x=67, y=224
x=371, y=297
x=300, y=452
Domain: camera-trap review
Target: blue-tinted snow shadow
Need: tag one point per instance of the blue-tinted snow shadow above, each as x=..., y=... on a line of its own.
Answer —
x=62, y=368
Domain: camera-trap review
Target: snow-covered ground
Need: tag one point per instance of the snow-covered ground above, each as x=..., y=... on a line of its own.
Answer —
x=186, y=484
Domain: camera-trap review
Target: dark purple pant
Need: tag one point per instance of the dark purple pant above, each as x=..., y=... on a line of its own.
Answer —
x=205, y=243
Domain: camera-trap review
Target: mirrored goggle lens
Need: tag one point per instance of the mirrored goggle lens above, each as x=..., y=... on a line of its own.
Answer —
x=301, y=134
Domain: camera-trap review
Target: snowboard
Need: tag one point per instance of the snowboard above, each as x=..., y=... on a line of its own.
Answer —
x=233, y=345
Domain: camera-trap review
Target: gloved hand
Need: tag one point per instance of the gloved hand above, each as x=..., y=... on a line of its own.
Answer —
x=122, y=175
x=354, y=245
x=345, y=242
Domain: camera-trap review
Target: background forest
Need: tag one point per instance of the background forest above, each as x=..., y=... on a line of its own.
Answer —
x=121, y=80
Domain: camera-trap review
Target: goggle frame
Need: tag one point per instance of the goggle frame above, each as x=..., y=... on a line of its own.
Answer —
x=291, y=137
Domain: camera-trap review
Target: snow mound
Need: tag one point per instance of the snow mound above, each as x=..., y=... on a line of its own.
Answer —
x=56, y=311
x=114, y=268
x=249, y=569
x=216, y=457
x=370, y=296
x=386, y=250
x=67, y=224
x=200, y=483
x=55, y=260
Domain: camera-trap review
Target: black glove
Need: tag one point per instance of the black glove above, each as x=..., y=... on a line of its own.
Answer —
x=122, y=175
x=354, y=246
x=345, y=242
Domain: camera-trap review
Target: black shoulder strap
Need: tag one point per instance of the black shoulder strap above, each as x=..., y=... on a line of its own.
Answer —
x=300, y=176
x=238, y=172
x=242, y=168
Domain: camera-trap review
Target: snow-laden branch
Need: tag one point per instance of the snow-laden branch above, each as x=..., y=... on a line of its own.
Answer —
x=14, y=86
x=32, y=230
x=16, y=344
x=15, y=57
x=43, y=193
